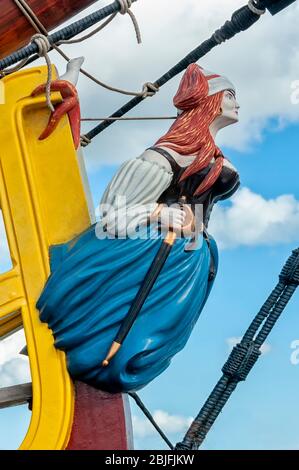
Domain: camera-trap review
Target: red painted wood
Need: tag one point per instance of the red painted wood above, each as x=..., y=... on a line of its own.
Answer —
x=15, y=29
x=102, y=420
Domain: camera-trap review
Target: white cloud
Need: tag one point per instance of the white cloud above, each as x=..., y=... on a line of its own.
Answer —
x=14, y=368
x=262, y=62
x=233, y=341
x=5, y=260
x=250, y=219
x=170, y=424
x=15, y=371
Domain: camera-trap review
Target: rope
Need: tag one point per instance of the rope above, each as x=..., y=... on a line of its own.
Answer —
x=142, y=118
x=150, y=418
x=254, y=9
x=43, y=45
x=148, y=89
x=244, y=355
x=14, y=69
x=84, y=140
x=89, y=35
x=124, y=9
x=125, y=6
x=143, y=94
x=241, y=20
x=29, y=14
x=33, y=20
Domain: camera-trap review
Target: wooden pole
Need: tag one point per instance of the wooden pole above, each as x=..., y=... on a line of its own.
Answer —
x=15, y=395
x=16, y=30
x=102, y=420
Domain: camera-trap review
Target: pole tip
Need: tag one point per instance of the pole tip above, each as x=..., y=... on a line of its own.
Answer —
x=115, y=346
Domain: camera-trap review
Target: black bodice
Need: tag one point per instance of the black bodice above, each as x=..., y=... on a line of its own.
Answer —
x=225, y=186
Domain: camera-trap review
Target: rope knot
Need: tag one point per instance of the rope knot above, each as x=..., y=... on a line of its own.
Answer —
x=124, y=6
x=252, y=6
x=149, y=89
x=241, y=360
x=42, y=43
x=219, y=35
x=84, y=140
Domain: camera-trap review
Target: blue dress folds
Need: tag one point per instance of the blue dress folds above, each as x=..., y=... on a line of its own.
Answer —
x=90, y=290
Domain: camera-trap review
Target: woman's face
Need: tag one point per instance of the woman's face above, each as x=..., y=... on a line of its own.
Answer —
x=230, y=106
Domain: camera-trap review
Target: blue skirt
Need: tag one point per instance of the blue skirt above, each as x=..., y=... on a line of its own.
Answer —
x=90, y=290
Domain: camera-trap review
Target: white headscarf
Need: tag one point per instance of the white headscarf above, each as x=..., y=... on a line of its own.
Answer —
x=217, y=82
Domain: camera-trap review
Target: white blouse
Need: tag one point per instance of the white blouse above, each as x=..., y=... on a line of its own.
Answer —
x=132, y=195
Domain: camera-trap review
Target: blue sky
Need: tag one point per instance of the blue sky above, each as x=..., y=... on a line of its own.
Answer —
x=245, y=278
x=253, y=419
x=262, y=414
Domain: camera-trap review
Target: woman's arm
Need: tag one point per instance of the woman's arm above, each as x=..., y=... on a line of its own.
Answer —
x=131, y=197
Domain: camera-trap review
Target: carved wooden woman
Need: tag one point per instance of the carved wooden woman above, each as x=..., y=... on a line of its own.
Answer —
x=96, y=276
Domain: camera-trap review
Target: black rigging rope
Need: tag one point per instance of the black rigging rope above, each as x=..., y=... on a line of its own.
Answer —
x=63, y=34
x=147, y=413
x=241, y=20
x=240, y=361
x=244, y=355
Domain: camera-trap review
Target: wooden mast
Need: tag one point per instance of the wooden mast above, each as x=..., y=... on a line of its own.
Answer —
x=16, y=30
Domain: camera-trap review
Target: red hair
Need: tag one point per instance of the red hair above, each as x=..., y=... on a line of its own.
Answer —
x=190, y=132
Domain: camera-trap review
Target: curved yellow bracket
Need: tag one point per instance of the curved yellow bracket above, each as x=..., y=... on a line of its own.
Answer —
x=43, y=203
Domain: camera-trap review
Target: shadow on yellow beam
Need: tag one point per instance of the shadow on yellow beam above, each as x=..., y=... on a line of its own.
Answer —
x=44, y=202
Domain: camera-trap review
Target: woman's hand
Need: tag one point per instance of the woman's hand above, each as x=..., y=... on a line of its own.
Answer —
x=170, y=217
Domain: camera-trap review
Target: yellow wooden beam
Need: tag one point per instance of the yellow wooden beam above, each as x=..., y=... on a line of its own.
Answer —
x=10, y=323
x=43, y=203
x=11, y=291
